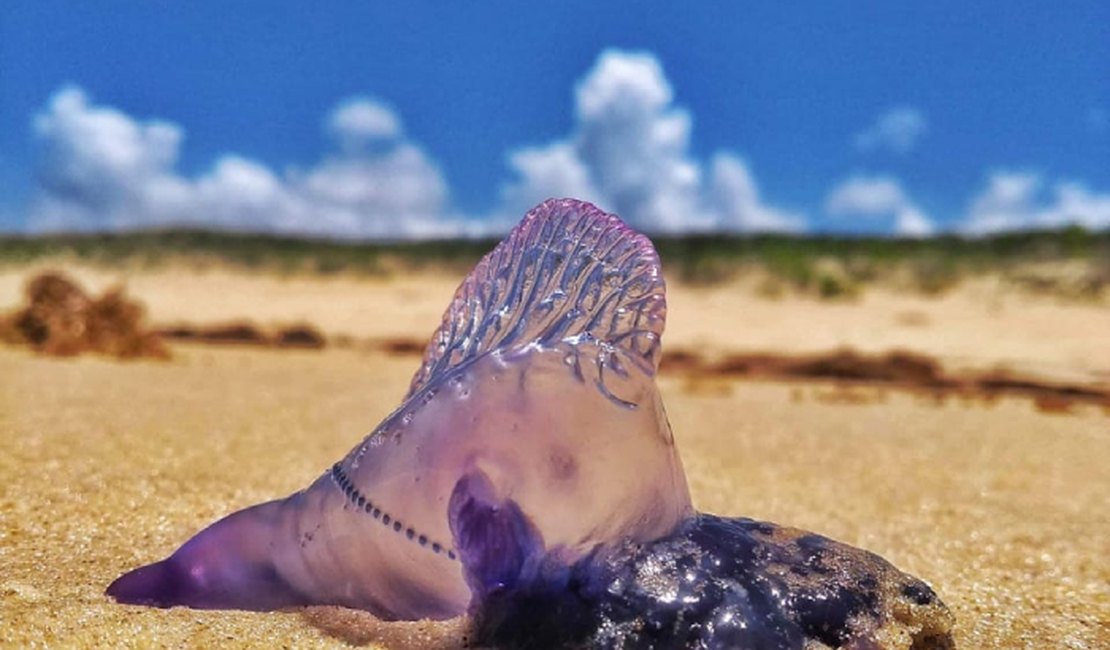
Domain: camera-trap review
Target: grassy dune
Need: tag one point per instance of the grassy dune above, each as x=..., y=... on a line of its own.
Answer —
x=1072, y=262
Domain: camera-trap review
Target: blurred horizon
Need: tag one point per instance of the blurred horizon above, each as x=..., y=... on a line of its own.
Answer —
x=437, y=121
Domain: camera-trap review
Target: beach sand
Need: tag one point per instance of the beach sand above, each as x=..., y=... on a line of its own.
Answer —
x=1002, y=508
x=981, y=326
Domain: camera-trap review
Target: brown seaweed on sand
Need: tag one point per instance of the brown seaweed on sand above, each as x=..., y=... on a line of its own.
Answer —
x=61, y=319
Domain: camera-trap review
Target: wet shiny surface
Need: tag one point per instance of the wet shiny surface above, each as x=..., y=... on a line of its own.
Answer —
x=718, y=583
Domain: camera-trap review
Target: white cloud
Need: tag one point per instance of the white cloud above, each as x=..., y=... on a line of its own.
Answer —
x=896, y=130
x=100, y=155
x=629, y=153
x=865, y=195
x=1020, y=200
x=400, y=186
x=359, y=121
x=634, y=143
x=551, y=171
x=104, y=169
x=912, y=222
x=879, y=196
x=736, y=197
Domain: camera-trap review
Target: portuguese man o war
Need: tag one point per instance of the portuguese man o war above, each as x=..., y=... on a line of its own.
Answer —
x=530, y=479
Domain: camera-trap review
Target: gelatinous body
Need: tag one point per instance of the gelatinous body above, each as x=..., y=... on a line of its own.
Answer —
x=530, y=478
x=541, y=377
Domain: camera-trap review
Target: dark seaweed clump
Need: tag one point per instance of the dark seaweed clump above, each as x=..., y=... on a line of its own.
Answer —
x=61, y=319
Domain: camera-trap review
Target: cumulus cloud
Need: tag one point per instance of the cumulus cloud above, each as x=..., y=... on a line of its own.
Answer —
x=359, y=121
x=551, y=171
x=735, y=197
x=629, y=152
x=897, y=130
x=103, y=169
x=1019, y=200
x=879, y=196
x=97, y=156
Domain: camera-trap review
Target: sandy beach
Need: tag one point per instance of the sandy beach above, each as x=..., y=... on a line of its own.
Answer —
x=1000, y=506
x=980, y=326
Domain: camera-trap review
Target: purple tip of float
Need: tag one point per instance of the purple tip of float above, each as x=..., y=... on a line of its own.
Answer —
x=225, y=566
x=154, y=585
x=175, y=582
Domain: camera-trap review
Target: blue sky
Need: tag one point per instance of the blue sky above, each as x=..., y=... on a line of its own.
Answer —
x=358, y=119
